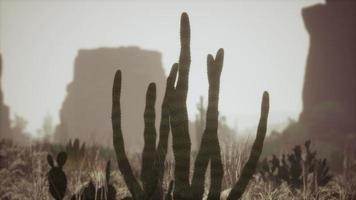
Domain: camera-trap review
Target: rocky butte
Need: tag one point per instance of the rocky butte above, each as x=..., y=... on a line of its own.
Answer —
x=86, y=110
x=5, y=131
x=329, y=94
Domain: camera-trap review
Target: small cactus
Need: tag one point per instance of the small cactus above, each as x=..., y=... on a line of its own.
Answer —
x=291, y=171
x=75, y=150
x=56, y=177
x=58, y=183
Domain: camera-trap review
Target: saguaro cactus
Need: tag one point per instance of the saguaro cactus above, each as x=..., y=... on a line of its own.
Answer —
x=209, y=149
x=153, y=157
x=179, y=116
x=174, y=113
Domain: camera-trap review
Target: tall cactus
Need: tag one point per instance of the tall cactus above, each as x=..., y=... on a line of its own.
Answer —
x=175, y=115
x=209, y=148
x=179, y=116
x=152, y=157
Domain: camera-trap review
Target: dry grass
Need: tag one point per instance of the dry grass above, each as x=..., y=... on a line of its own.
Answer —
x=23, y=175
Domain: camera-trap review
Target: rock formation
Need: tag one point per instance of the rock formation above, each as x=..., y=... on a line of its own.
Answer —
x=86, y=111
x=329, y=94
x=4, y=112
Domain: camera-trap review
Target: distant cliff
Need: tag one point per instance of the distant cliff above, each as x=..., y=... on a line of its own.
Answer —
x=5, y=131
x=86, y=110
x=329, y=94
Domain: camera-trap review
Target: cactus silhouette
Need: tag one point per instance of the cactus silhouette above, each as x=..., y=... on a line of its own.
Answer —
x=291, y=170
x=209, y=148
x=56, y=177
x=74, y=150
x=58, y=183
x=174, y=114
x=152, y=157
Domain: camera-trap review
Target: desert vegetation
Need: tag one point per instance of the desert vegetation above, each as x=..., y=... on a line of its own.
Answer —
x=24, y=173
x=232, y=171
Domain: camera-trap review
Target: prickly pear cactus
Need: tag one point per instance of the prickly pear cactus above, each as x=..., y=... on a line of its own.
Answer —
x=56, y=177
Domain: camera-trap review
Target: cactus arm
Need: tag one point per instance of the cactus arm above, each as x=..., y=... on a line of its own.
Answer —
x=118, y=141
x=217, y=171
x=149, y=149
x=164, y=133
x=184, y=57
x=202, y=159
x=210, y=147
x=256, y=150
x=61, y=159
x=179, y=116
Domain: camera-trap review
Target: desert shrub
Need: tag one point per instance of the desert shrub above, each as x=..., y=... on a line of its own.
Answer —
x=299, y=169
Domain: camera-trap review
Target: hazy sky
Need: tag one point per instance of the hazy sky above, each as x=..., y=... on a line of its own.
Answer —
x=265, y=49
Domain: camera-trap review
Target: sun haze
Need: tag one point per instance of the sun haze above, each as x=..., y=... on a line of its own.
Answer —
x=265, y=45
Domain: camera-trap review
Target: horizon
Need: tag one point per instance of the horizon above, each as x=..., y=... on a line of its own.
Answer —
x=47, y=37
